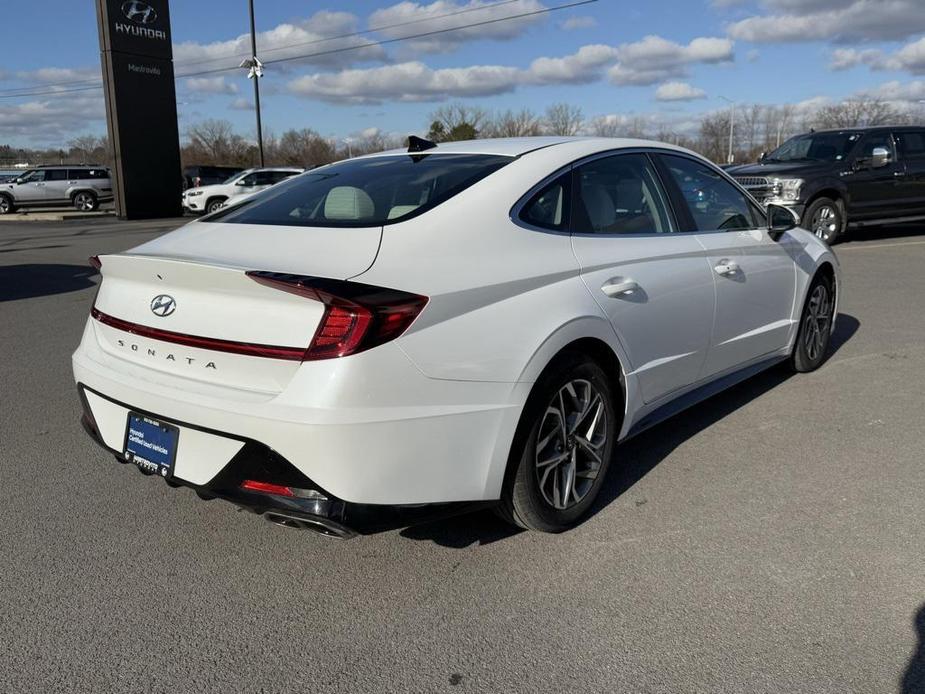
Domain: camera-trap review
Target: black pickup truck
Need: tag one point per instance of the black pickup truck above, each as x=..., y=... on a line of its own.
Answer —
x=836, y=179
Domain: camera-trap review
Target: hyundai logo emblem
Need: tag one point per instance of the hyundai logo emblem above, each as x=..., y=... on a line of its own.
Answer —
x=163, y=305
x=139, y=12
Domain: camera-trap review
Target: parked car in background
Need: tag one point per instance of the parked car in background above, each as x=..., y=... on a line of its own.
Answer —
x=84, y=187
x=836, y=179
x=194, y=176
x=206, y=199
x=466, y=323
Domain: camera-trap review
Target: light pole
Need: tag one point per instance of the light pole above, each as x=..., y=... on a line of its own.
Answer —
x=732, y=121
x=255, y=72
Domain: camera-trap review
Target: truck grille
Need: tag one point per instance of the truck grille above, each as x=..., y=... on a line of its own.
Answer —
x=758, y=186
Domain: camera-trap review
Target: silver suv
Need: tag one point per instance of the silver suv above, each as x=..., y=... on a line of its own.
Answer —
x=84, y=187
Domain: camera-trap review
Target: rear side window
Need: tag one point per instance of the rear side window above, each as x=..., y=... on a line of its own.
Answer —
x=913, y=143
x=714, y=203
x=365, y=192
x=548, y=209
x=56, y=175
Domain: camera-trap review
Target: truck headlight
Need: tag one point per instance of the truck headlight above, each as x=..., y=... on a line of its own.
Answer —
x=787, y=188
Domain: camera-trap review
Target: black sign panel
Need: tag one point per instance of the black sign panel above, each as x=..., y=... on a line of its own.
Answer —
x=141, y=106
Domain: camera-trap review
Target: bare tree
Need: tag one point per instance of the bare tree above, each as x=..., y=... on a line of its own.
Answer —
x=215, y=142
x=457, y=122
x=90, y=149
x=858, y=112
x=714, y=136
x=303, y=148
x=563, y=119
x=523, y=123
x=605, y=126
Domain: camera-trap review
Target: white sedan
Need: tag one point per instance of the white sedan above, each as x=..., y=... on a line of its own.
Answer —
x=472, y=323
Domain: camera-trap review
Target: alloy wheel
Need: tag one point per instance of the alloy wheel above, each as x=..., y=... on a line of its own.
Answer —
x=570, y=444
x=825, y=222
x=4, y=205
x=84, y=202
x=817, y=322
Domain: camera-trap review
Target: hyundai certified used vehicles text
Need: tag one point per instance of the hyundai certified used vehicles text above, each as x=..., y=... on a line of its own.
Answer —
x=470, y=323
x=836, y=179
x=83, y=187
x=209, y=198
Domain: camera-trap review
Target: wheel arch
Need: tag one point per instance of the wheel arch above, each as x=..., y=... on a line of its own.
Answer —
x=213, y=198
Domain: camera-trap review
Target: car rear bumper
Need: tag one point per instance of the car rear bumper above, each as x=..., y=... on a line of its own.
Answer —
x=320, y=511
x=371, y=431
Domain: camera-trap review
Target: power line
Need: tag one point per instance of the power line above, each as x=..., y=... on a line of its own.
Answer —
x=27, y=91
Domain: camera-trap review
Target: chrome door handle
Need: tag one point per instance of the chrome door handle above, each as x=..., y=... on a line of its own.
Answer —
x=899, y=174
x=618, y=286
x=726, y=267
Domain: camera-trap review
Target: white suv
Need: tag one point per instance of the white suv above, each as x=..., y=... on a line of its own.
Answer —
x=84, y=187
x=207, y=199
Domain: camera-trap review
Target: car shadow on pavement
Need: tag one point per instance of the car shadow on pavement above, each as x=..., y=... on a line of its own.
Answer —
x=913, y=681
x=898, y=231
x=634, y=459
x=33, y=280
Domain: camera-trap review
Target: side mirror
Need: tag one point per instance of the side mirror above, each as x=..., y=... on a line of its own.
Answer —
x=781, y=219
x=880, y=157
x=762, y=156
x=241, y=182
x=17, y=180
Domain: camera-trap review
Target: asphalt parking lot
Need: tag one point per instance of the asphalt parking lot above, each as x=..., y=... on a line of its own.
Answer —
x=768, y=540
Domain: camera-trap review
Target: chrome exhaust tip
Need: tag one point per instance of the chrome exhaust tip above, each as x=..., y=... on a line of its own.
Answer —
x=320, y=526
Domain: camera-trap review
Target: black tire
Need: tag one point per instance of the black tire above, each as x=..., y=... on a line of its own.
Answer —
x=85, y=201
x=6, y=205
x=826, y=219
x=816, y=324
x=525, y=499
x=214, y=204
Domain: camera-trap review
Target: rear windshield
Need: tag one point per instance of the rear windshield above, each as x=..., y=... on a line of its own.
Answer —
x=364, y=192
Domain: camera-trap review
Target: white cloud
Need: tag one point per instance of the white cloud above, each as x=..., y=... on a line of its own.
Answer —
x=411, y=81
x=582, y=66
x=444, y=14
x=909, y=58
x=678, y=91
x=286, y=40
x=654, y=59
x=904, y=93
x=211, y=85
x=836, y=20
x=54, y=75
x=53, y=121
x=649, y=61
x=573, y=23
x=241, y=104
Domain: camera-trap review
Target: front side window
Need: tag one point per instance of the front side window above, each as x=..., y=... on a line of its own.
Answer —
x=369, y=191
x=875, y=141
x=714, y=203
x=33, y=176
x=832, y=146
x=619, y=195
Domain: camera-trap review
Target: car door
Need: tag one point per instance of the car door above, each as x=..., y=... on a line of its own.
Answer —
x=875, y=192
x=911, y=145
x=32, y=188
x=654, y=283
x=56, y=185
x=755, y=275
x=248, y=184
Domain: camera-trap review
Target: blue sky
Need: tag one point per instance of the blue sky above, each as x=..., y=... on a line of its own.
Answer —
x=667, y=61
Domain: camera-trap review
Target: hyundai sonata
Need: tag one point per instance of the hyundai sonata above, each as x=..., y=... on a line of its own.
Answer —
x=457, y=324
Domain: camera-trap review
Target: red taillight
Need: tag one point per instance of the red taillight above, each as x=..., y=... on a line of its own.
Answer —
x=357, y=316
x=95, y=262
x=266, y=488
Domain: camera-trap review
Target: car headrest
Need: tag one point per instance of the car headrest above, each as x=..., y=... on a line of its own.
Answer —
x=401, y=210
x=347, y=202
x=599, y=205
